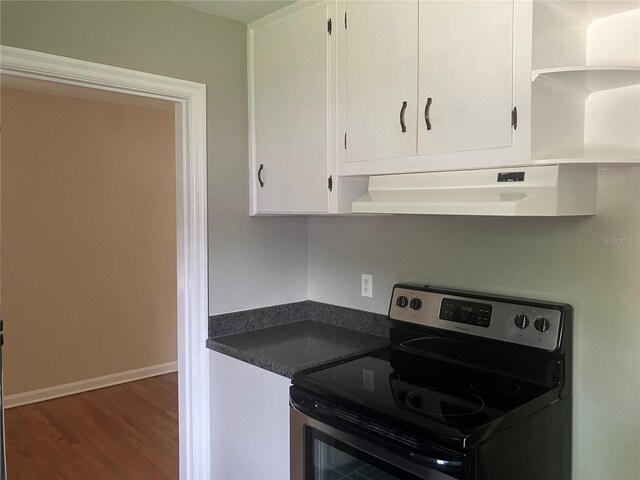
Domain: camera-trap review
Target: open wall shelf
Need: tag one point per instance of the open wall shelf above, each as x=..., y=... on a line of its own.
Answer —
x=585, y=89
x=586, y=11
x=586, y=80
x=604, y=162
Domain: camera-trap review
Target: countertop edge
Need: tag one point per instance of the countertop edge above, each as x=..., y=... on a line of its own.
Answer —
x=288, y=370
x=251, y=358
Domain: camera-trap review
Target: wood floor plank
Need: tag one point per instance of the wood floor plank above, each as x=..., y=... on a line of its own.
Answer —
x=27, y=425
x=141, y=429
x=128, y=431
x=155, y=391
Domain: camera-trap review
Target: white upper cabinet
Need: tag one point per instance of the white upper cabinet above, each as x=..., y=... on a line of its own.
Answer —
x=291, y=87
x=340, y=90
x=453, y=63
x=466, y=75
x=381, y=79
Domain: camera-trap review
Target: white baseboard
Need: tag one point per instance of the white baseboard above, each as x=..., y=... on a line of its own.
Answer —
x=89, y=384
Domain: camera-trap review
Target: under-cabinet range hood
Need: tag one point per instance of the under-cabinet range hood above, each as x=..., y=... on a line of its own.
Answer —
x=549, y=190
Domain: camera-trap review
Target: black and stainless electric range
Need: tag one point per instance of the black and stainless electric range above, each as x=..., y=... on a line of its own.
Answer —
x=472, y=387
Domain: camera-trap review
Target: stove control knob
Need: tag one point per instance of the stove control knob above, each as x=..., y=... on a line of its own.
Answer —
x=542, y=324
x=521, y=321
x=402, y=301
x=415, y=303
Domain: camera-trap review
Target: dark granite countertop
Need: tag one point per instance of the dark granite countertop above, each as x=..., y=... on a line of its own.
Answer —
x=285, y=349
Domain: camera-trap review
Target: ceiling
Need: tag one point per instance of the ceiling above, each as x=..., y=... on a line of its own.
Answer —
x=244, y=11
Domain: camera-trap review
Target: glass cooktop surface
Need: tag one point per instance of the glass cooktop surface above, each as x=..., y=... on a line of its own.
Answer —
x=422, y=389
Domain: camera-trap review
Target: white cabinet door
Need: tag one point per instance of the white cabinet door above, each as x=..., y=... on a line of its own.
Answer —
x=466, y=75
x=291, y=112
x=381, y=79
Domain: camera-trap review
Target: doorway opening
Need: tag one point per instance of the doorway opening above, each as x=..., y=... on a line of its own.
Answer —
x=88, y=278
x=189, y=101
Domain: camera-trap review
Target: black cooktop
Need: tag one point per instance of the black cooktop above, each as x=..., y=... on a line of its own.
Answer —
x=458, y=403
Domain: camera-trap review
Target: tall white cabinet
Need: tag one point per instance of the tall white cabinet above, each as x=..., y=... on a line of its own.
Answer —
x=291, y=89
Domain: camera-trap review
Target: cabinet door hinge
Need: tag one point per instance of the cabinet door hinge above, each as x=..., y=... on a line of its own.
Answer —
x=345, y=20
x=514, y=118
x=330, y=183
x=329, y=27
x=345, y=140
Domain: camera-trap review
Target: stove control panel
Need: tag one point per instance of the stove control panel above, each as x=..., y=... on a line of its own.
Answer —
x=470, y=313
x=520, y=323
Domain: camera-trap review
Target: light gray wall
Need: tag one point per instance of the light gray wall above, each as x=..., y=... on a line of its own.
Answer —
x=563, y=259
x=252, y=262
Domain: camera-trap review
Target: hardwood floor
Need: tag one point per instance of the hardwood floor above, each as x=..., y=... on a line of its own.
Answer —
x=128, y=431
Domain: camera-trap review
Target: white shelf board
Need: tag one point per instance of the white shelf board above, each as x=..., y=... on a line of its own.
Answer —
x=589, y=79
x=601, y=162
x=593, y=9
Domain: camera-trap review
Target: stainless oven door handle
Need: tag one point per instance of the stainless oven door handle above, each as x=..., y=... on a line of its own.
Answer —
x=417, y=464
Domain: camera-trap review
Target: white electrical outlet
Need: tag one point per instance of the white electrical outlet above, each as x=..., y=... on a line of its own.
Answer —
x=367, y=285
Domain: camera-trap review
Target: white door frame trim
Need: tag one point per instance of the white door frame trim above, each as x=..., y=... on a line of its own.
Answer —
x=191, y=216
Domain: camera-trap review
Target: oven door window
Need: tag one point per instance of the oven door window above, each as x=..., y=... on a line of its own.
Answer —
x=329, y=459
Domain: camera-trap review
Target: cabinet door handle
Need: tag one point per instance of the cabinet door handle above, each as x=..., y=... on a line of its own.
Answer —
x=427, y=113
x=260, y=175
x=402, y=110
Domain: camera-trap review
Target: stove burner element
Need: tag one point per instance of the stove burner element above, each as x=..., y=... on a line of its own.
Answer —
x=365, y=378
x=404, y=362
x=444, y=401
x=495, y=387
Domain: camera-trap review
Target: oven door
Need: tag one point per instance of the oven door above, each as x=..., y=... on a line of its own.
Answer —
x=322, y=452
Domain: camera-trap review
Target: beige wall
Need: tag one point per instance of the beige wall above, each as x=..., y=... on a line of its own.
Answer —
x=88, y=238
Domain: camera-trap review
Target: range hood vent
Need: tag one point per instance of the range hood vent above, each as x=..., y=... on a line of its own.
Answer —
x=550, y=190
